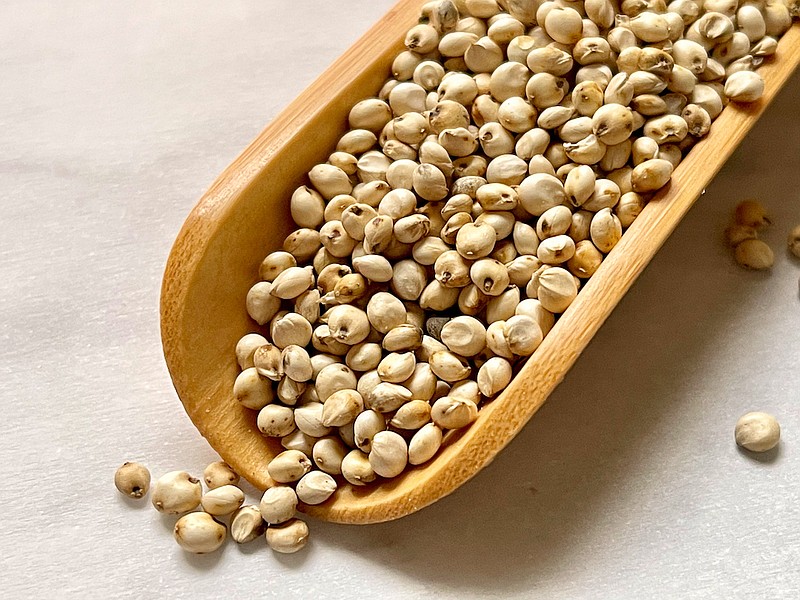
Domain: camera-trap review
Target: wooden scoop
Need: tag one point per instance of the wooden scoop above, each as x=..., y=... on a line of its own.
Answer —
x=245, y=215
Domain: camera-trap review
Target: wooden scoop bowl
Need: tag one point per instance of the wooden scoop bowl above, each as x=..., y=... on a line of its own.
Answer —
x=245, y=215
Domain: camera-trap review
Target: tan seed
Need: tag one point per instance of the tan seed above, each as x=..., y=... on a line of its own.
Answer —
x=757, y=432
x=754, y=254
x=453, y=413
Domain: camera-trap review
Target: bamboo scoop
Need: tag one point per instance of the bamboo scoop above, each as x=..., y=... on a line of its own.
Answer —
x=245, y=215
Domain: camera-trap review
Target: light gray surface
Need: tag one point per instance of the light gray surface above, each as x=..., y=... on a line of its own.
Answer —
x=116, y=116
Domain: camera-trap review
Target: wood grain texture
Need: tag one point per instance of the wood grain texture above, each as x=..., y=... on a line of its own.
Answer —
x=244, y=216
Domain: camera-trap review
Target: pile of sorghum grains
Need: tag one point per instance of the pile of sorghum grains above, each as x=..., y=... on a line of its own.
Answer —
x=459, y=216
x=202, y=531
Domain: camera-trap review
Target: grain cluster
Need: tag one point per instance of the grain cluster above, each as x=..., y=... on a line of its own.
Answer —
x=463, y=210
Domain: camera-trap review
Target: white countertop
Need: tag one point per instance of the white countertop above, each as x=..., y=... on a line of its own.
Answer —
x=116, y=116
